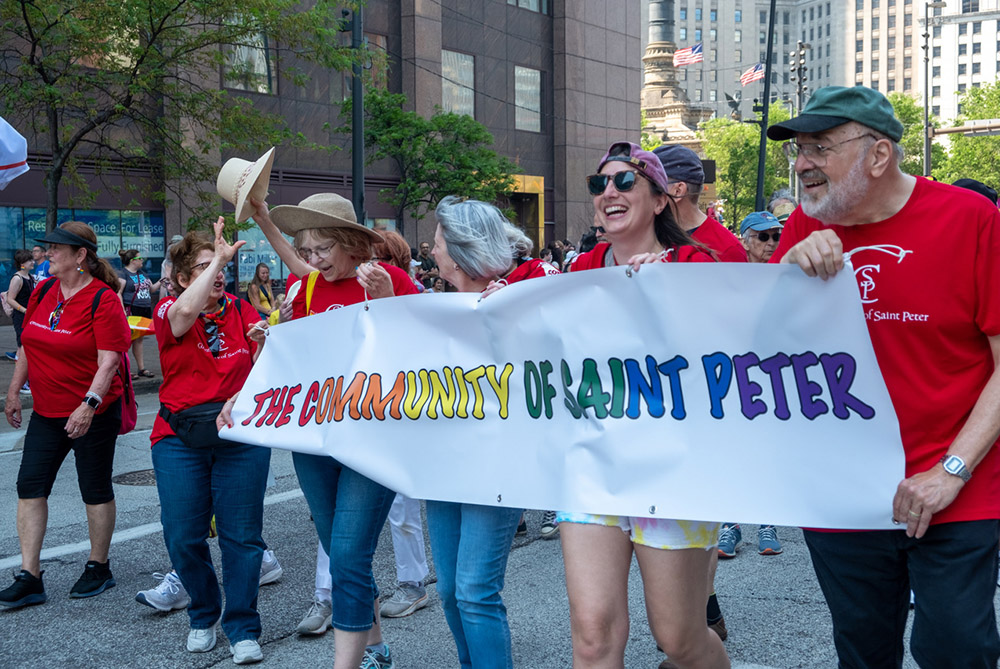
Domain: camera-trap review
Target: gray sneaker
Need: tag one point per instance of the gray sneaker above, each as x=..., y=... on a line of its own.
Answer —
x=407, y=599
x=318, y=619
x=550, y=528
x=270, y=569
x=169, y=595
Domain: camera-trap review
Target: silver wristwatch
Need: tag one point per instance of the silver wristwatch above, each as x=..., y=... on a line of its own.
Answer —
x=955, y=466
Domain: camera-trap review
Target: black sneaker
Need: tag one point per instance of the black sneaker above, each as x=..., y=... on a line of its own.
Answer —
x=96, y=579
x=26, y=591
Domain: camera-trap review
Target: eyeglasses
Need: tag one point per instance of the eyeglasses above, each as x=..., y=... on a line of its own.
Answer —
x=138, y=258
x=768, y=236
x=815, y=152
x=200, y=266
x=597, y=228
x=214, y=340
x=56, y=315
x=624, y=181
x=320, y=251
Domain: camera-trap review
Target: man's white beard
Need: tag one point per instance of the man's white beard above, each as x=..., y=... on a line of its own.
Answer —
x=840, y=199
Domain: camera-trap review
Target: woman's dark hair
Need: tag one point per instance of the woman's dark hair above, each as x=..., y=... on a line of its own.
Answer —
x=22, y=256
x=668, y=232
x=183, y=255
x=99, y=268
x=557, y=255
x=127, y=256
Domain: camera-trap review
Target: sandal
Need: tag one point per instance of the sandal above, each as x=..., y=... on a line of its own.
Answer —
x=135, y=377
x=146, y=373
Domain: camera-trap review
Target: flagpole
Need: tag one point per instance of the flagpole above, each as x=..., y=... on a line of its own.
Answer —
x=762, y=154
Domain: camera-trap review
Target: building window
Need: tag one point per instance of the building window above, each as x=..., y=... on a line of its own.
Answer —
x=697, y=14
x=961, y=88
x=711, y=34
x=738, y=36
x=827, y=71
x=875, y=64
x=875, y=4
x=763, y=17
x=891, y=42
x=713, y=75
x=763, y=37
x=907, y=41
x=541, y=6
x=890, y=85
x=859, y=25
x=961, y=69
x=891, y=63
x=712, y=96
x=698, y=75
x=527, y=99
x=684, y=14
x=827, y=50
x=713, y=15
x=875, y=23
x=936, y=52
x=977, y=27
x=977, y=47
x=892, y=20
x=908, y=19
x=738, y=16
x=458, y=83
x=970, y=6
x=937, y=32
x=936, y=110
x=785, y=38
x=858, y=5
x=936, y=91
x=712, y=55
x=812, y=15
x=963, y=28
x=697, y=95
x=962, y=49
x=936, y=71
x=683, y=33
x=907, y=62
x=785, y=18
x=906, y=84
x=697, y=34
x=738, y=54
x=875, y=44
x=975, y=68
x=859, y=67
x=253, y=66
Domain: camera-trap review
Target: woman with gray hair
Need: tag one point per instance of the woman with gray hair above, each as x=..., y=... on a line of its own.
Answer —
x=475, y=247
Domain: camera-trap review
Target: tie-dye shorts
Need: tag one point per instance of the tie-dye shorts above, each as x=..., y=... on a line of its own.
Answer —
x=664, y=533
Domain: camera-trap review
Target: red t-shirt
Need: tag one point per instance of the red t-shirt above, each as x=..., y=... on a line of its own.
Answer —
x=329, y=295
x=595, y=258
x=531, y=269
x=62, y=362
x=929, y=279
x=715, y=236
x=191, y=374
x=289, y=280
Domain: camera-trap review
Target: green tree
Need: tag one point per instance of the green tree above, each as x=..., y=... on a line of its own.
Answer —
x=135, y=83
x=911, y=115
x=447, y=154
x=647, y=140
x=734, y=147
x=975, y=157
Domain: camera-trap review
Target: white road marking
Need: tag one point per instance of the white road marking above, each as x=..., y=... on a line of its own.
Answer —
x=127, y=535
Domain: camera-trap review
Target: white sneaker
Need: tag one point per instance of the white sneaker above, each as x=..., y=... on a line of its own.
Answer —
x=317, y=620
x=246, y=652
x=270, y=570
x=201, y=641
x=169, y=595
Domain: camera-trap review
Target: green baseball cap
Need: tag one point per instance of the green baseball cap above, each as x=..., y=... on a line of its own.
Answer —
x=835, y=105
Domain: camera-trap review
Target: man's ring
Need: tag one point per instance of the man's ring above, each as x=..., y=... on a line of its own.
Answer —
x=914, y=514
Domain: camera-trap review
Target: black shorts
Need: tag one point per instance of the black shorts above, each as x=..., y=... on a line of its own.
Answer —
x=46, y=445
x=142, y=312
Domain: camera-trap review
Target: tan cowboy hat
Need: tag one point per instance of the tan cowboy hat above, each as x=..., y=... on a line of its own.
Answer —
x=239, y=179
x=322, y=210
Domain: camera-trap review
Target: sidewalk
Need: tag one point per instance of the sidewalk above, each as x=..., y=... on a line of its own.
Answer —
x=142, y=385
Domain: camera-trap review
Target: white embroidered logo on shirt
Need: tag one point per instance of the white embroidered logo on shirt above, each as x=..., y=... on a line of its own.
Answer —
x=866, y=274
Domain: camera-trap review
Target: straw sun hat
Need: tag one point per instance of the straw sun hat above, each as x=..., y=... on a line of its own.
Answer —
x=239, y=179
x=322, y=210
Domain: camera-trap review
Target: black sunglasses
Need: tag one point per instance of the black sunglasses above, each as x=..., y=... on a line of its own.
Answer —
x=768, y=236
x=214, y=341
x=624, y=181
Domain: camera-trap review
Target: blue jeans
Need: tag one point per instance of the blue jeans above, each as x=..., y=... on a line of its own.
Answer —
x=349, y=511
x=866, y=578
x=193, y=484
x=471, y=544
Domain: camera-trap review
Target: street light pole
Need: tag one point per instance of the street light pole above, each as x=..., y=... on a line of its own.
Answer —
x=927, y=83
x=800, y=75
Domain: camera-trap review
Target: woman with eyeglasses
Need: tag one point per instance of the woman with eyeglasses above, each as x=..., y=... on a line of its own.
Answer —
x=208, y=340
x=136, y=292
x=477, y=250
x=348, y=509
x=674, y=556
x=73, y=338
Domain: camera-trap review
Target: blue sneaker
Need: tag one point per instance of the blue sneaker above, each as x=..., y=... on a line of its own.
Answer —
x=729, y=538
x=11, y=355
x=767, y=541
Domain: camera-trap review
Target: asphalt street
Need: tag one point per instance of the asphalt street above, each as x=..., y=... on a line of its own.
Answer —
x=773, y=606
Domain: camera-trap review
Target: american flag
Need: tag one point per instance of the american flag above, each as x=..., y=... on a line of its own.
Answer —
x=689, y=55
x=755, y=73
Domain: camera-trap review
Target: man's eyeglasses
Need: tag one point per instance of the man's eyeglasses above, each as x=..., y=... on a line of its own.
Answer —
x=768, y=236
x=214, y=340
x=56, y=315
x=139, y=258
x=624, y=181
x=815, y=152
x=320, y=251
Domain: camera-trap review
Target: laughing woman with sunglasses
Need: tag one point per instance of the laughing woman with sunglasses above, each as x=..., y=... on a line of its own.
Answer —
x=208, y=340
x=674, y=556
x=74, y=334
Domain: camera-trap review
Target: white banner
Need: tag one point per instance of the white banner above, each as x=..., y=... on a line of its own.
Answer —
x=720, y=392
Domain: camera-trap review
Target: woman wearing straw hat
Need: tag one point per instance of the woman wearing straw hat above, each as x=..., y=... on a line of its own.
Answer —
x=348, y=509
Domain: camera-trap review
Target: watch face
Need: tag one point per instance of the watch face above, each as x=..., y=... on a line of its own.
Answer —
x=952, y=465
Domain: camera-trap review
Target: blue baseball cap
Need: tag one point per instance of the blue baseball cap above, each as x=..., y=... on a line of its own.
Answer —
x=760, y=220
x=681, y=163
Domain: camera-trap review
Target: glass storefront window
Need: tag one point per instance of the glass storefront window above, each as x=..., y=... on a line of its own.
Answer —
x=257, y=250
